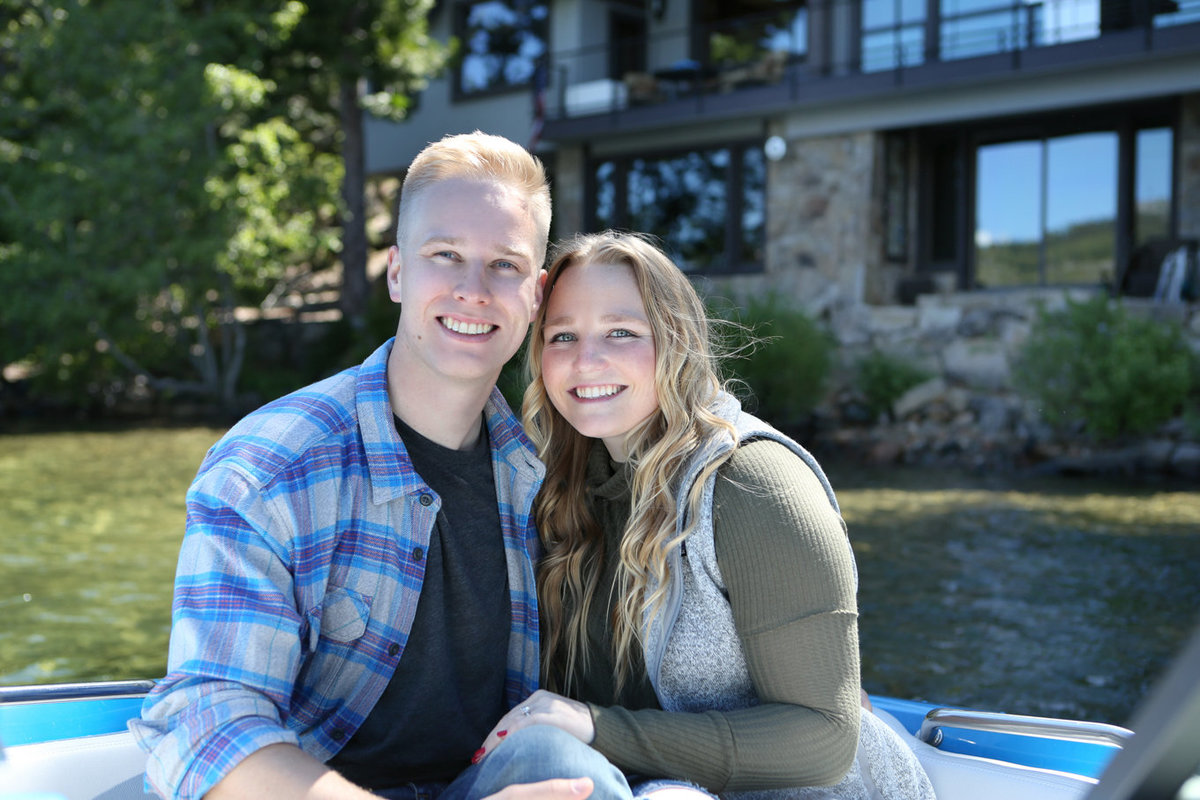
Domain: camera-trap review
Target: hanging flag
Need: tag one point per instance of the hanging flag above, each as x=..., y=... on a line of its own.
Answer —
x=539, y=103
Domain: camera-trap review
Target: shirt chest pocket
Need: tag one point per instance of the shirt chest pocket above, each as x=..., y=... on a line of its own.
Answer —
x=345, y=615
x=342, y=617
x=335, y=631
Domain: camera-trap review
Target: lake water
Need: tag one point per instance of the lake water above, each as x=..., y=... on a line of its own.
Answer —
x=1062, y=597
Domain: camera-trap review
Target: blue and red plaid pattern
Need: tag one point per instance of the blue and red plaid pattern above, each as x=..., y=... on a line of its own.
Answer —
x=299, y=576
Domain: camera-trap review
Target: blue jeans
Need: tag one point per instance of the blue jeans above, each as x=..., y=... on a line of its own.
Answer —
x=529, y=755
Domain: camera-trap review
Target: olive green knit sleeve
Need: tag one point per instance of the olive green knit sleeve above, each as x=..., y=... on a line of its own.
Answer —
x=789, y=572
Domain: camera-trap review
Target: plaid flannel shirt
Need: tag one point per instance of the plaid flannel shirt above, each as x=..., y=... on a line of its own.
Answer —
x=299, y=576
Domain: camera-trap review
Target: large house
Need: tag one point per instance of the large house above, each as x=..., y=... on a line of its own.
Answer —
x=861, y=151
x=919, y=175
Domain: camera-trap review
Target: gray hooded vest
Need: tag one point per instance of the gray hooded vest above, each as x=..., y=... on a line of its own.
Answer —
x=693, y=655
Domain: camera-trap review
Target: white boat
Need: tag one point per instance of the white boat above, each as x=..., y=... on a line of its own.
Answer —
x=70, y=741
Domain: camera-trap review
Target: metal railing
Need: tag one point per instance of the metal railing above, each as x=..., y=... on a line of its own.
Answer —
x=890, y=35
x=1047, y=727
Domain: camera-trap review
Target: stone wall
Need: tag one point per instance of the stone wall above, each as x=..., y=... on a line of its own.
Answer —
x=1188, y=169
x=823, y=217
x=968, y=413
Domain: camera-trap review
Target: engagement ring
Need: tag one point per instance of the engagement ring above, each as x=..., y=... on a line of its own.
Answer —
x=526, y=710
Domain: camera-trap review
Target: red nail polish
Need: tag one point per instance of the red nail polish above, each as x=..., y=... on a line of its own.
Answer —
x=478, y=755
x=502, y=734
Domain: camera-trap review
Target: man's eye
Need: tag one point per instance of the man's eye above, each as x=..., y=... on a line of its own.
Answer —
x=507, y=265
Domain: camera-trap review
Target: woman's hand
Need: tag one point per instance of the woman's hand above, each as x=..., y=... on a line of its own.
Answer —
x=542, y=708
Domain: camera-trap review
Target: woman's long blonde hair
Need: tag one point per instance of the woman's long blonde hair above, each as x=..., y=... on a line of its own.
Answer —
x=687, y=383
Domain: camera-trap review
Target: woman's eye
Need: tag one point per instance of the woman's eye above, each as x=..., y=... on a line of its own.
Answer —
x=622, y=333
x=561, y=337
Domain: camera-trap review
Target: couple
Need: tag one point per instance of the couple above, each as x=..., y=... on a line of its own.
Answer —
x=339, y=629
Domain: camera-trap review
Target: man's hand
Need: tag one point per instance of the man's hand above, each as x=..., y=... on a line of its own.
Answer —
x=557, y=789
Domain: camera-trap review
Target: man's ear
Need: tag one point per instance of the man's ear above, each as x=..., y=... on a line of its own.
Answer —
x=539, y=292
x=393, y=273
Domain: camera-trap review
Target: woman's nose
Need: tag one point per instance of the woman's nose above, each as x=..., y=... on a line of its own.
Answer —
x=590, y=354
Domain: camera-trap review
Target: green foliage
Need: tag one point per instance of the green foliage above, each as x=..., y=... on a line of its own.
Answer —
x=782, y=356
x=512, y=381
x=1096, y=364
x=726, y=48
x=332, y=48
x=166, y=164
x=884, y=378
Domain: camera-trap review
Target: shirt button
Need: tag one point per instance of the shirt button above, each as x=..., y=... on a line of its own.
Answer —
x=393, y=648
x=418, y=553
x=338, y=734
x=426, y=499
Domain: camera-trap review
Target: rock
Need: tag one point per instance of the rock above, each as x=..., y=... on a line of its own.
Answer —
x=938, y=318
x=1186, y=460
x=856, y=412
x=885, y=452
x=889, y=321
x=917, y=397
x=1122, y=461
x=1156, y=455
x=982, y=363
x=976, y=322
x=993, y=413
x=939, y=411
x=958, y=398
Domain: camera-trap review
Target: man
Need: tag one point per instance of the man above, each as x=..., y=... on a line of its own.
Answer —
x=301, y=662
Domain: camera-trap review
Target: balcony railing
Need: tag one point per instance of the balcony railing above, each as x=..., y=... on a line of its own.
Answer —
x=889, y=38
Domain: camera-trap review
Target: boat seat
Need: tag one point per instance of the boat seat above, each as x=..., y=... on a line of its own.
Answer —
x=110, y=767
x=106, y=767
x=956, y=776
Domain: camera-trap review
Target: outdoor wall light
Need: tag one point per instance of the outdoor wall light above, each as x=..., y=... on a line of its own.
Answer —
x=775, y=147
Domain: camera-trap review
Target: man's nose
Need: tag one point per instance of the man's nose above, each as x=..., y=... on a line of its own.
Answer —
x=472, y=286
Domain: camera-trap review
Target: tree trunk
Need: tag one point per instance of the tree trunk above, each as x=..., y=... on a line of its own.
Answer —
x=355, y=286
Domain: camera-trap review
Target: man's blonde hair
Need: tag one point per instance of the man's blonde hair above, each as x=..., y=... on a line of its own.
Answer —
x=483, y=157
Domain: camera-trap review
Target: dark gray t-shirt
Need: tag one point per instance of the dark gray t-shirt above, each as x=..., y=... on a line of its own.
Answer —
x=448, y=688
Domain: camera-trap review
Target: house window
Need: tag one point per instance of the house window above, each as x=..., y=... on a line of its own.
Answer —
x=1152, y=196
x=894, y=31
x=979, y=27
x=708, y=207
x=893, y=34
x=502, y=41
x=1046, y=211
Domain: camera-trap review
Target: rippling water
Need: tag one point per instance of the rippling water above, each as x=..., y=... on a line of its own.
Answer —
x=1064, y=597
x=1060, y=597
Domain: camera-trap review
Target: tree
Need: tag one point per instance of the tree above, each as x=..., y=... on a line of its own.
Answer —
x=344, y=57
x=147, y=195
x=169, y=162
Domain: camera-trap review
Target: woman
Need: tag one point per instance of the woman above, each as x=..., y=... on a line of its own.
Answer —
x=698, y=590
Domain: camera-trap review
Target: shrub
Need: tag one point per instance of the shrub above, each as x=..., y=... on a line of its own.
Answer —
x=512, y=382
x=781, y=355
x=1093, y=363
x=883, y=379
